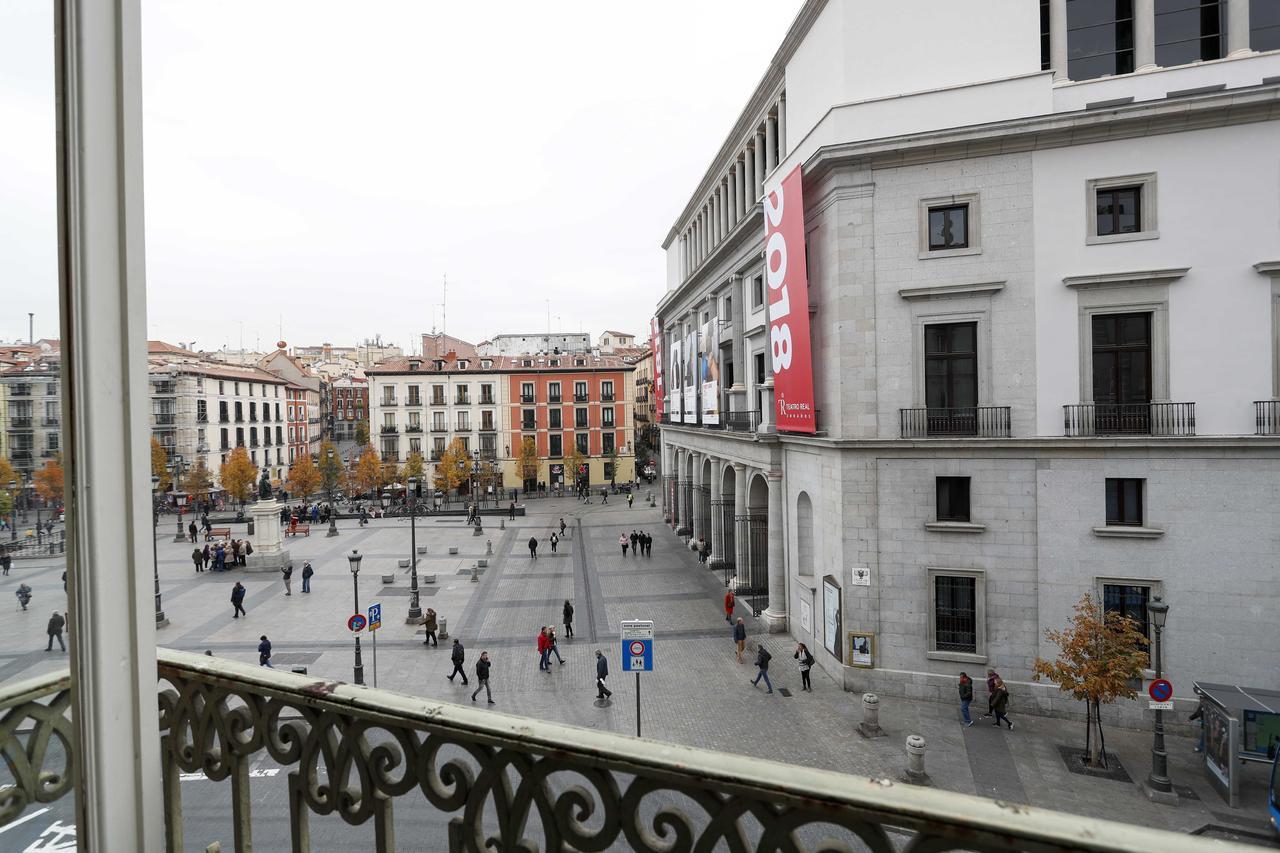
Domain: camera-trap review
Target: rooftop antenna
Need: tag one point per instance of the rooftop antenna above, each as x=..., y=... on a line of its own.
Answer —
x=444, y=311
x=31, y=328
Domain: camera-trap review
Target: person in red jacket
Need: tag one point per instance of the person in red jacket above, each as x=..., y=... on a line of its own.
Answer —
x=729, y=604
x=544, y=650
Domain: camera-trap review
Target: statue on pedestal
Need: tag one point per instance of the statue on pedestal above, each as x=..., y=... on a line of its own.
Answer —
x=264, y=487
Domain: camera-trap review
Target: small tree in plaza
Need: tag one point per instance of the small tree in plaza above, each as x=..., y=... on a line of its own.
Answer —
x=527, y=463
x=1101, y=654
x=160, y=463
x=7, y=476
x=238, y=475
x=413, y=467
x=454, y=467
x=332, y=473
x=304, y=478
x=49, y=481
x=362, y=433
x=198, y=481
x=576, y=462
x=367, y=475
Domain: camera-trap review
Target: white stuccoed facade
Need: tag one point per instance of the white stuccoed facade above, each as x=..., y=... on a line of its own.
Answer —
x=891, y=109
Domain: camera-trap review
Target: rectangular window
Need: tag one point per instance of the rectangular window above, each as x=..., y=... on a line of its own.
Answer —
x=528, y=419
x=464, y=421
x=277, y=410
x=606, y=391
x=1124, y=501
x=226, y=440
x=239, y=436
x=951, y=371
x=389, y=420
x=581, y=440
x=222, y=411
x=606, y=444
x=415, y=395
x=553, y=392
x=580, y=392
x=1045, y=59
x=526, y=392
x=437, y=447
x=580, y=418
x=1099, y=38
x=239, y=412
x=1264, y=25
x=486, y=395
x=463, y=397
x=1127, y=600
x=757, y=291
x=1119, y=210
x=466, y=444
x=606, y=416
x=953, y=498
x=279, y=435
x=222, y=389
x=955, y=614
x=1188, y=31
x=253, y=412
x=949, y=227
x=553, y=419
x=437, y=395
x=557, y=446
x=1122, y=372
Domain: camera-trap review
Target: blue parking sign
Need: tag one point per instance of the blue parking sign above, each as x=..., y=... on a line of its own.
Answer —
x=375, y=617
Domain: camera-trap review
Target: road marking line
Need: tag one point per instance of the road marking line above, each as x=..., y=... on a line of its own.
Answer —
x=23, y=819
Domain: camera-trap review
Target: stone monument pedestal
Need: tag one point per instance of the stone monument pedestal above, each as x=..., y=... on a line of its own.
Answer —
x=269, y=554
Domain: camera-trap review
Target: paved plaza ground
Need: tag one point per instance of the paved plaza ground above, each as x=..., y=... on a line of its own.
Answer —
x=698, y=694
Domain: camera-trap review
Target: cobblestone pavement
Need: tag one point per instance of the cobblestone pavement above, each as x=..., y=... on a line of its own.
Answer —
x=698, y=694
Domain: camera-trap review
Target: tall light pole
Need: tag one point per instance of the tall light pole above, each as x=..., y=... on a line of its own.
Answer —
x=415, y=608
x=1158, y=786
x=354, y=559
x=13, y=510
x=161, y=621
x=333, y=509
x=179, y=496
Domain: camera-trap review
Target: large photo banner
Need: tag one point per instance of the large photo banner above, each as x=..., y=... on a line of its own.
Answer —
x=690, y=389
x=709, y=372
x=674, y=380
x=659, y=389
x=788, y=286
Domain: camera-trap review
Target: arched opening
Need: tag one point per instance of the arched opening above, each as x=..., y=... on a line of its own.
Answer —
x=804, y=535
x=753, y=531
x=725, y=555
x=702, y=502
x=686, y=497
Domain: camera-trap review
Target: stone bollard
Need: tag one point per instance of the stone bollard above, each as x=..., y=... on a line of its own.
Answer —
x=422, y=549
x=915, y=758
x=478, y=530
x=475, y=573
x=444, y=629
x=870, y=725
x=502, y=524
x=488, y=546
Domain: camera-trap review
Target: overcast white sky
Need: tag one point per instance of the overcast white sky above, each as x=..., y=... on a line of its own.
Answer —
x=326, y=170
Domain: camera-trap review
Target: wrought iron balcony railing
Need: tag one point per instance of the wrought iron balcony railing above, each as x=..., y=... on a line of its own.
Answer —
x=438, y=401
x=579, y=398
x=413, y=428
x=1158, y=419
x=437, y=427
x=606, y=398
x=486, y=400
x=973, y=421
x=20, y=423
x=507, y=782
x=527, y=399
x=736, y=421
x=1267, y=415
x=389, y=428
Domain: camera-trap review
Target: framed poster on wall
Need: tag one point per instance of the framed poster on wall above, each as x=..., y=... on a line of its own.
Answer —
x=806, y=616
x=862, y=649
x=831, y=616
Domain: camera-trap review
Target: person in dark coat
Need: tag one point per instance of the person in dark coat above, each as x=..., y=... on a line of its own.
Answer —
x=430, y=625
x=1000, y=704
x=568, y=618
x=191, y=531
x=533, y=547
x=966, y=696
x=482, y=677
x=740, y=638
x=237, y=600
x=287, y=574
x=459, y=656
x=206, y=555
x=56, y=623
x=602, y=672
x=513, y=510
x=635, y=540
x=264, y=652
x=992, y=677
x=6, y=562
x=762, y=664
x=197, y=557
x=562, y=528
x=307, y=572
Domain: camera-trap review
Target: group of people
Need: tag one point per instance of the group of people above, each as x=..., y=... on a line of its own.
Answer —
x=218, y=553
x=997, y=699
x=459, y=657
x=547, y=646
x=313, y=513
x=639, y=543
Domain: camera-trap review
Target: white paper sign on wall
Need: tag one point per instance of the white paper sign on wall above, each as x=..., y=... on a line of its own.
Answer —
x=860, y=576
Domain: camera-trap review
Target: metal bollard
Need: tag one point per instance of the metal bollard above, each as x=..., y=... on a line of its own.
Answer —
x=502, y=524
x=488, y=547
x=475, y=573
x=870, y=725
x=444, y=629
x=915, y=757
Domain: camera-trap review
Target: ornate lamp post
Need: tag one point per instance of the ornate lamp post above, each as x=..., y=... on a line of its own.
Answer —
x=179, y=496
x=156, y=497
x=354, y=559
x=333, y=509
x=1158, y=786
x=13, y=510
x=415, y=607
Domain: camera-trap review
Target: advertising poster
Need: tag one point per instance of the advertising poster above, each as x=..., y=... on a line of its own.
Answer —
x=710, y=372
x=1221, y=739
x=659, y=389
x=673, y=379
x=689, y=389
x=831, y=634
x=788, y=300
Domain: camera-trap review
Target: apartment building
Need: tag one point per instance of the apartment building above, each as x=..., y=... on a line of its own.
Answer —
x=31, y=413
x=350, y=405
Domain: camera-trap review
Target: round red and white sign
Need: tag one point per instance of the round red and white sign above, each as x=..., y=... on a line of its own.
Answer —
x=637, y=648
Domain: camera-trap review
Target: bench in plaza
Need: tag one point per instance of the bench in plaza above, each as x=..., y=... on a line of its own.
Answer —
x=217, y=533
x=304, y=529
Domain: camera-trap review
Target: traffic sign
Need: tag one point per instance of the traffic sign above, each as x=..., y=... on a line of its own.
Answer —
x=375, y=617
x=1161, y=690
x=637, y=645
x=356, y=623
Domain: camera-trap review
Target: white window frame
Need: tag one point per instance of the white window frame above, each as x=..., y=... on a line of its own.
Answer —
x=1126, y=301
x=1156, y=587
x=973, y=225
x=979, y=655
x=1147, y=208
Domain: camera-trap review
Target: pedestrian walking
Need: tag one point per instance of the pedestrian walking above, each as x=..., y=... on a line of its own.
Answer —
x=458, y=657
x=740, y=637
x=6, y=562
x=630, y=500
x=762, y=665
x=287, y=573
x=806, y=663
x=729, y=603
x=533, y=547
x=1000, y=705
x=235, y=552
x=604, y=496
x=544, y=650
x=430, y=625
x=191, y=531
x=623, y=541
x=264, y=652
x=568, y=619
x=205, y=553
x=552, y=647
x=512, y=511
x=23, y=592
x=966, y=696
x=602, y=672
x=307, y=572
x=56, y=623
x=562, y=528
x=635, y=540
x=482, y=678
x=992, y=678
x=197, y=557
x=237, y=600
x=648, y=544
x=555, y=540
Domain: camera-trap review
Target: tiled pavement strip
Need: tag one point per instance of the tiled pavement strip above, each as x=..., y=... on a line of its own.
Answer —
x=698, y=694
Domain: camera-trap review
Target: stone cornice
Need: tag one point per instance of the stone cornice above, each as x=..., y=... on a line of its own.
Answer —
x=1271, y=268
x=940, y=291
x=1216, y=445
x=1110, y=279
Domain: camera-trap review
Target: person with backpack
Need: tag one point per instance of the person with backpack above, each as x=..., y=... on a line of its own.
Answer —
x=458, y=657
x=555, y=540
x=806, y=663
x=966, y=696
x=568, y=619
x=24, y=595
x=307, y=572
x=762, y=664
x=482, y=677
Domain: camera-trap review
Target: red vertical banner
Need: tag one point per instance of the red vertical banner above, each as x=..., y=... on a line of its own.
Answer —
x=659, y=389
x=788, y=285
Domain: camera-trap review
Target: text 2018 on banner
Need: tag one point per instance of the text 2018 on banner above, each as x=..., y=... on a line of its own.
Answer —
x=788, y=285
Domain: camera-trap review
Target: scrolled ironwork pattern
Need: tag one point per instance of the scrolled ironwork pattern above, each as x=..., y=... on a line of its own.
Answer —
x=36, y=723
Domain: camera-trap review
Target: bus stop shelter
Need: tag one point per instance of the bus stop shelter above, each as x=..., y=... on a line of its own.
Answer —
x=1240, y=724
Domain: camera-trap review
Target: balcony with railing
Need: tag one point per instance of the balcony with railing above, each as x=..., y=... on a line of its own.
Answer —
x=1153, y=419
x=51, y=421
x=528, y=426
x=413, y=428
x=166, y=418
x=389, y=429
x=387, y=402
x=745, y=421
x=462, y=400
x=499, y=781
x=606, y=398
x=488, y=426
x=958, y=422
x=527, y=399
x=438, y=400
x=414, y=400
x=579, y=398
x=439, y=426
x=20, y=423
x=19, y=390
x=1266, y=415
x=486, y=400
x=489, y=454
x=554, y=398
x=164, y=388
x=50, y=453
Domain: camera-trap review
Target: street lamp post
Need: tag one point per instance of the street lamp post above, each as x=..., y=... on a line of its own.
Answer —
x=415, y=608
x=333, y=509
x=1158, y=786
x=354, y=559
x=179, y=496
x=161, y=621
x=13, y=510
